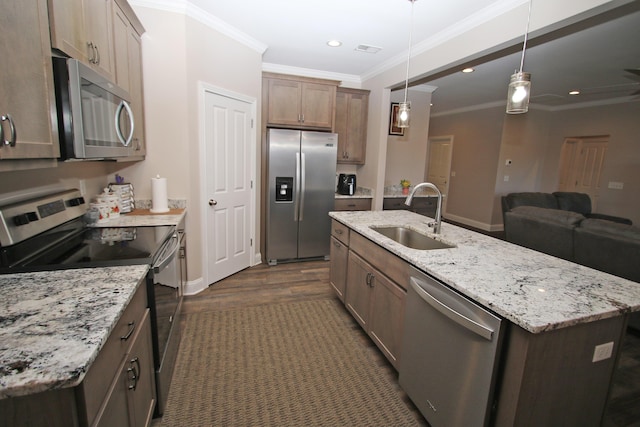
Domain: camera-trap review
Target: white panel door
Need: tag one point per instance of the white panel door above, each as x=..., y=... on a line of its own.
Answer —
x=439, y=165
x=581, y=164
x=228, y=131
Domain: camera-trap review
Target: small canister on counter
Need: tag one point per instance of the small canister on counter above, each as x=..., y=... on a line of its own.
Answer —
x=125, y=192
x=112, y=201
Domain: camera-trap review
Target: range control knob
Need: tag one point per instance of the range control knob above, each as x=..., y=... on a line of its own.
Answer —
x=25, y=218
x=76, y=201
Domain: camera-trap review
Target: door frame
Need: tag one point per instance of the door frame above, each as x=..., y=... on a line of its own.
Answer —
x=203, y=89
x=436, y=140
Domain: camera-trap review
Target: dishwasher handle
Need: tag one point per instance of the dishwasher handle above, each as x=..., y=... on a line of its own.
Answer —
x=450, y=313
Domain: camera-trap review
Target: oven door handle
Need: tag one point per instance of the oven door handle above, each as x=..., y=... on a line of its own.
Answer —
x=160, y=265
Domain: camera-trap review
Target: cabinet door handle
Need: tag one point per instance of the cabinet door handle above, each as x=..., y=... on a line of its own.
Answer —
x=132, y=327
x=12, y=130
x=369, y=280
x=133, y=372
x=95, y=46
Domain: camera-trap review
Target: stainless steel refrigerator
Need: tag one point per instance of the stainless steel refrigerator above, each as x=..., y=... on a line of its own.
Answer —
x=302, y=181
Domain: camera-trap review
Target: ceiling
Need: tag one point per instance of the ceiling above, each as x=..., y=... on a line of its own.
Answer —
x=295, y=33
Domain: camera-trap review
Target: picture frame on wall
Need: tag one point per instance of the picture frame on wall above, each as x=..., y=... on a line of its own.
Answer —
x=393, y=120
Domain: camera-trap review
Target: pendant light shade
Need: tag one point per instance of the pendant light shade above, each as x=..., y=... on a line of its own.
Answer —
x=404, y=109
x=518, y=95
x=404, y=114
x=520, y=83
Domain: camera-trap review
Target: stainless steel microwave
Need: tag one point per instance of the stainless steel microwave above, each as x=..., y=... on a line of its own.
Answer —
x=95, y=118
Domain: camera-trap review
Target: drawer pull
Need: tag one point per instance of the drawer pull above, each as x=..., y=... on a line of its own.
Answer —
x=132, y=327
x=133, y=373
x=338, y=231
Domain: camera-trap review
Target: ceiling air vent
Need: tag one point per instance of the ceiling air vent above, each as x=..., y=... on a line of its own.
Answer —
x=368, y=49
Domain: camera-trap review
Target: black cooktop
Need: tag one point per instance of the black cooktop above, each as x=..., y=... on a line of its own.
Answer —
x=73, y=245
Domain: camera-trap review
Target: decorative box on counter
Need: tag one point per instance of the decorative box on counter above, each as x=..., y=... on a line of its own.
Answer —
x=125, y=193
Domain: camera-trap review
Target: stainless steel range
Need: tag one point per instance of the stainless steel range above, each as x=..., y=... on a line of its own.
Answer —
x=48, y=233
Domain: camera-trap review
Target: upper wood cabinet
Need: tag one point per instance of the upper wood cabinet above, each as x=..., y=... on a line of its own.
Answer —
x=352, y=111
x=299, y=102
x=28, y=130
x=127, y=31
x=82, y=29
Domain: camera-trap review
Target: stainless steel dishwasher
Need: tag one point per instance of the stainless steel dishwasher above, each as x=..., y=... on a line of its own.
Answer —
x=449, y=354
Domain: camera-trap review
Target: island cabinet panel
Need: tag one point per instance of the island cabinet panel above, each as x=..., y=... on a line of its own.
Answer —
x=375, y=299
x=377, y=304
x=352, y=111
x=338, y=255
x=340, y=231
x=299, y=102
x=26, y=86
x=550, y=378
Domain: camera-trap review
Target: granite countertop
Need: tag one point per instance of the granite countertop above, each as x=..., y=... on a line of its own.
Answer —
x=54, y=323
x=538, y=292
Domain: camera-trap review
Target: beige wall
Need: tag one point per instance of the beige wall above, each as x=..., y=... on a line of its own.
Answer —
x=533, y=142
x=406, y=155
x=476, y=149
x=180, y=52
x=487, y=37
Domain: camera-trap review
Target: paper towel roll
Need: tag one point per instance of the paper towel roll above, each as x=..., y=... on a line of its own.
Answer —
x=159, y=200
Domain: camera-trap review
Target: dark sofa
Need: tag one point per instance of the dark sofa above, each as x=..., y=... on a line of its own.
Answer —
x=562, y=224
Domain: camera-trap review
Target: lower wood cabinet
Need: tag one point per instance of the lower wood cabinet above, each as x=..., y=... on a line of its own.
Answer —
x=339, y=254
x=422, y=205
x=352, y=204
x=377, y=304
x=117, y=391
x=128, y=402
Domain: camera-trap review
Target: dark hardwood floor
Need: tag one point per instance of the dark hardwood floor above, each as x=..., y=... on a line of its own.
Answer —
x=301, y=281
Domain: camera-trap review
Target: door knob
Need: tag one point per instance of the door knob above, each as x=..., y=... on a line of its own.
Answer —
x=212, y=202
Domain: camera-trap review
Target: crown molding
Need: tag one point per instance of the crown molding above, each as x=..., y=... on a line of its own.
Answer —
x=481, y=17
x=308, y=72
x=184, y=7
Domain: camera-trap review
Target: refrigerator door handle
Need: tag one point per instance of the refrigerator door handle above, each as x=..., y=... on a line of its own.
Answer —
x=303, y=186
x=296, y=198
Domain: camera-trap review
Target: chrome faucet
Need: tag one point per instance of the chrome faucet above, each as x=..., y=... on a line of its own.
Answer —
x=438, y=218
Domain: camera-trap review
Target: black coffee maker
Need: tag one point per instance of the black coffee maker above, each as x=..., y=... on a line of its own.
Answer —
x=346, y=184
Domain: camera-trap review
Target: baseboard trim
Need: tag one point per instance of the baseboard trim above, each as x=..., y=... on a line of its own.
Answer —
x=193, y=287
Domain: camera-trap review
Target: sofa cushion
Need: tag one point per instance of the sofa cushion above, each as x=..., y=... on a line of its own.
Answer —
x=572, y=201
x=556, y=216
x=611, y=228
x=541, y=200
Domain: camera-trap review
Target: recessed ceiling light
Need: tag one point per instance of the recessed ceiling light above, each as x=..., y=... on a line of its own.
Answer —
x=574, y=92
x=468, y=70
x=334, y=43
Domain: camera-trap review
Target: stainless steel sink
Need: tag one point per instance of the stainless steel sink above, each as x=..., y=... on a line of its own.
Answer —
x=411, y=238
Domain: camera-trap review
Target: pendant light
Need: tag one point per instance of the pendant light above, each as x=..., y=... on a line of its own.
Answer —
x=520, y=83
x=404, y=108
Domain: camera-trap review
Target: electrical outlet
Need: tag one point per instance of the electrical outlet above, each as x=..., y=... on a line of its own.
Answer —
x=602, y=351
x=616, y=185
x=506, y=178
x=83, y=187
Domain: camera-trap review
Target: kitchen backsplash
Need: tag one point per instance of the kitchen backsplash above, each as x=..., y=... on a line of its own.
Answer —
x=173, y=203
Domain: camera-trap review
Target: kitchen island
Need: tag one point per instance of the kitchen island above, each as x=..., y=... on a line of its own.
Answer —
x=557, y=312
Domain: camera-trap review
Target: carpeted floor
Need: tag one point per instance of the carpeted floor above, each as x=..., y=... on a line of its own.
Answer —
x=286, y=364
